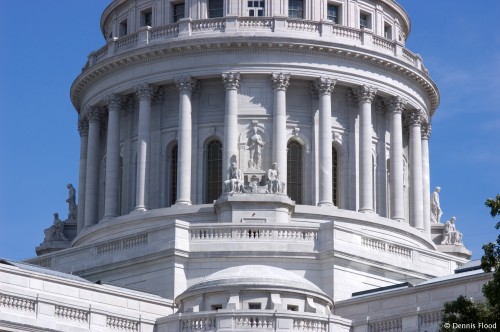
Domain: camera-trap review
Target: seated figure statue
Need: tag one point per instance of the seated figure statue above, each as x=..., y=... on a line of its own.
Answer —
x=235, y=182
x=450, y=233
x=55, y=232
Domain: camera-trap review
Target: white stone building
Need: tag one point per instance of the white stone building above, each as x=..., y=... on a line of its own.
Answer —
x=253, y=164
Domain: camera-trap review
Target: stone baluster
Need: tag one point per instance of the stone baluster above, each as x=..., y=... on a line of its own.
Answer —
x=426, y=183
x=365, y=95
x=231, y=83
x=416, y=187
x=111, y=191
x=280, y=83
x=324, y=86
x=145, y=94
x=396, y=160
x=83, y=129
x=94, y=117
x=185, y=85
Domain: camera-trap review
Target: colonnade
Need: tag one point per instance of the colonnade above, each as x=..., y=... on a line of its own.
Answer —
x=90, y=126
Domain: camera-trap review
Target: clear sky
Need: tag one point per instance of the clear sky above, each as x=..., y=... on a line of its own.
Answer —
x=44, y=44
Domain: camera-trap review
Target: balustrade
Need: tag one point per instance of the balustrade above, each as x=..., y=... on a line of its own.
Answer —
x=315, y=29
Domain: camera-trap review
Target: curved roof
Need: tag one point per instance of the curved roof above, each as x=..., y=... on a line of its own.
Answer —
x=255, y=276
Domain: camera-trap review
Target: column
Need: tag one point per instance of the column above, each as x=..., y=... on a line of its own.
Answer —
x=365, y=95
x=416, y=190
x=426, y=183
x=185, y=85
x=111, y=191
x=83, y=129
x=324, y=86
x=280, y=84
x=145, y=94
x=94, y=117
x=396, y=160
x=231, y=83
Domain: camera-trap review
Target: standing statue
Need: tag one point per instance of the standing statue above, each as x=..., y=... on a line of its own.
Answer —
x=436, y=211
x=55, y=232
x=255, y=145
x=273, y=180
x=235, y=182
x=451, y=235
x=72, y=208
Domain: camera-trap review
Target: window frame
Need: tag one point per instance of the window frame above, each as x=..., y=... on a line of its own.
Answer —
x=210, y=11
x=368, y=20
x=339, y=11
x=146, y=16
x=175, y=16
x=298, y=184
x=298, y=10
x=210, y=183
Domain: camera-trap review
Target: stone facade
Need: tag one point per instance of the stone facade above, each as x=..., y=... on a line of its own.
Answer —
x=213, y=137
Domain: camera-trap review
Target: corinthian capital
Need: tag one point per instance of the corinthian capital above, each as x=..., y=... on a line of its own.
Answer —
x=280, y=81
x=145, y=91
x=83, y=127
x=365, y=93
x=186, y=83
x=426, y=130
x=414, y=118
x=396, y=104
x=114, y=101
x=324, y=85
x=93, y=114
x=231, y=80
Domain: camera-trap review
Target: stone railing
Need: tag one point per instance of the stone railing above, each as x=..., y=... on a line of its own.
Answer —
x=71, y=314
x=248, y=320
x=123, y=244
x=279, y=26
x=254, y=232
x=430, y=319
x=379, y=245
x=391, y=325
x=17, y=303
x=118, y=323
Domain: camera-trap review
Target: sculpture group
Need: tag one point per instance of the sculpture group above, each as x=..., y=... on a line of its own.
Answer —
x=236, y=182
x=56, y=231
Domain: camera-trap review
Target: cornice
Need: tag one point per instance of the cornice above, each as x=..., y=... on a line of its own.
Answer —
x=176, y=49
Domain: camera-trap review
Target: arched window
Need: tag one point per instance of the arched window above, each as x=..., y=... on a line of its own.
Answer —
x=294, y=171
x=335, y=177
x=213, y=171
x=172, y=194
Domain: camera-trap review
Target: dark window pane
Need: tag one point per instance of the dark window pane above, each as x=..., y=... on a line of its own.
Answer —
x=214, y=171
x=173, y=176
x=294, y=171
x=335, y=177
x=215, y=8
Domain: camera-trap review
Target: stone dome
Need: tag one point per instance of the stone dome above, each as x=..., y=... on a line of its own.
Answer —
x=256, y=277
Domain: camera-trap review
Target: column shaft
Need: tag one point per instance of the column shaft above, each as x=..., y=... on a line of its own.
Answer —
x=145, y=94
x=280, y=84
x=325, y=86
x=365, y=97
x=426, y=184
x=112, y=195
x=92, y=171
x=83, y=128
x=230, y=146
x=396, y=161
x=185, y=86
x=416, y=196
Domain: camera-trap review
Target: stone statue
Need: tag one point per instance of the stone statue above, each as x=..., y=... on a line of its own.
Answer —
x=436, y=211
x=235, y=182
x=255, y=145
x=72, y=208
x=55, y=232
x=273, y=180
x=451, y=235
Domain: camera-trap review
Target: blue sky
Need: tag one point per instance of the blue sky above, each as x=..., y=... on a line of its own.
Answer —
x=45, y=44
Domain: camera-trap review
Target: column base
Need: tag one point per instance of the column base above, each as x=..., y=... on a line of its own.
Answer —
x=366, y=210
x=326, y=203
x=183, y=203
x=398, y=219
x=140, y=209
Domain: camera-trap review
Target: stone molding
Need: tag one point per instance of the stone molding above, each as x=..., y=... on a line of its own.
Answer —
x=231, y=80
x=94, y=114
x=280, y=81
x=114, y=101
x=414, y=117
